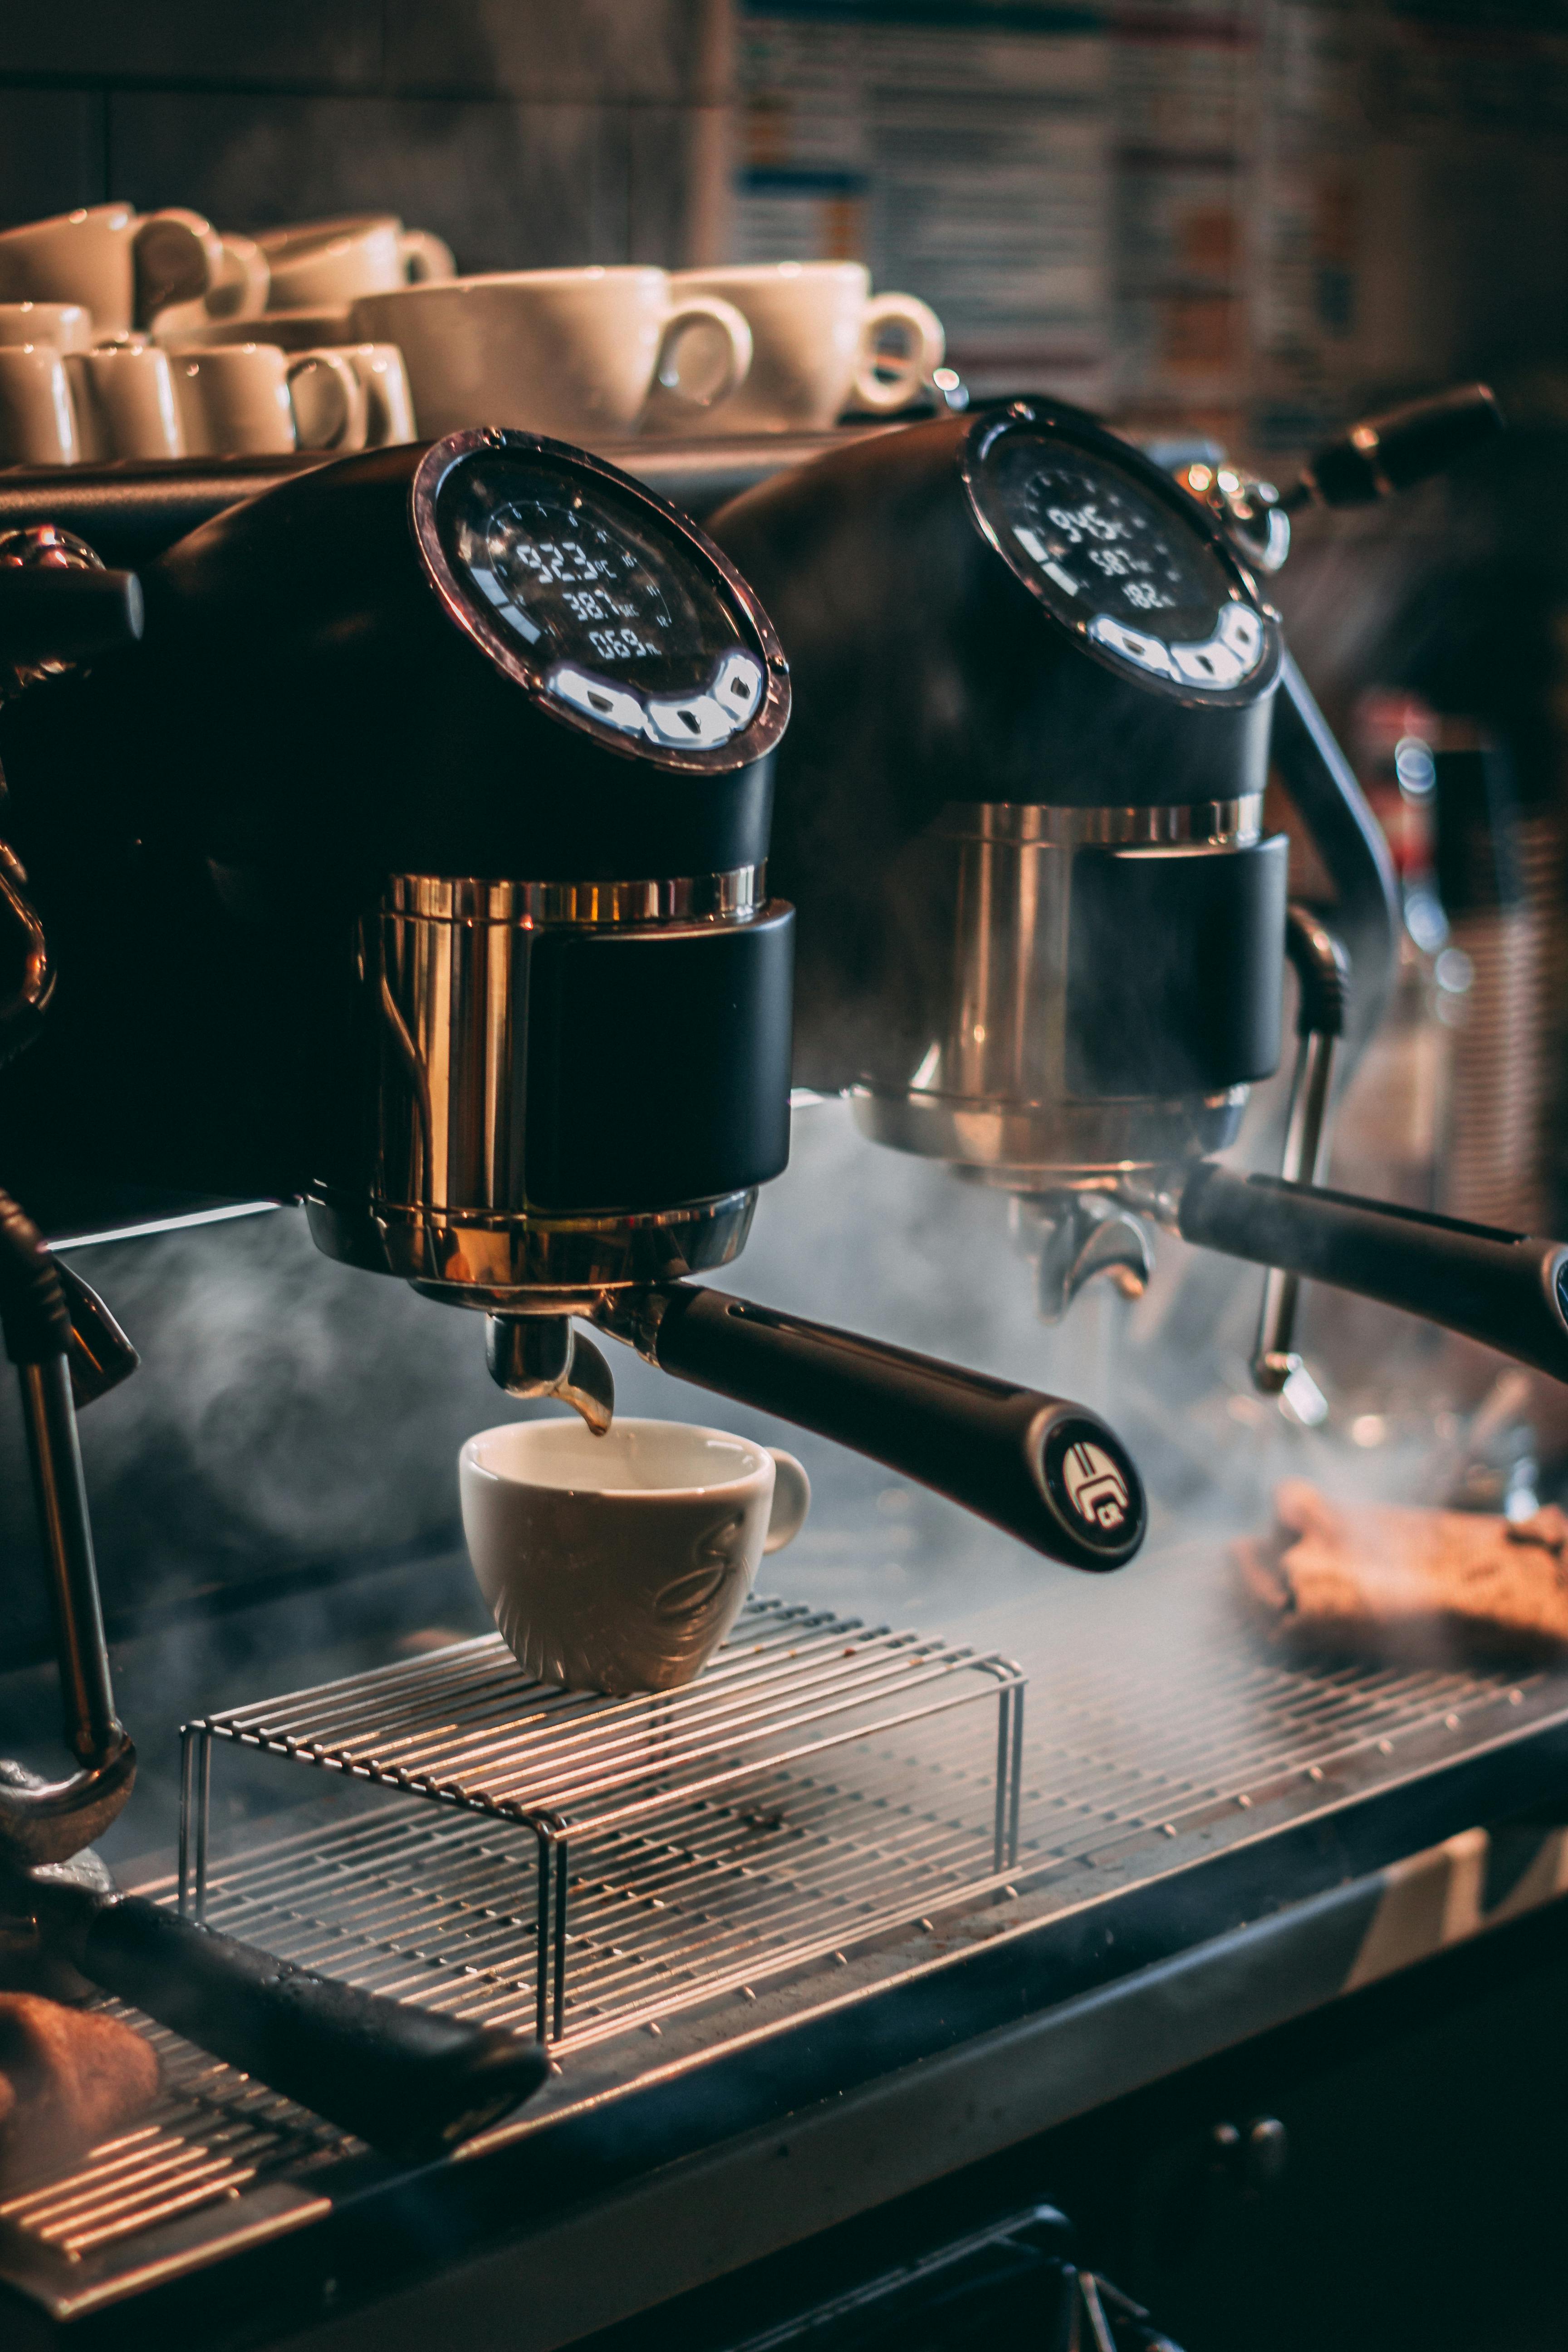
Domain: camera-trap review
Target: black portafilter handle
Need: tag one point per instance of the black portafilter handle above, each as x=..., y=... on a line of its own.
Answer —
x=1044, y=1470
x=1404, y=446
x=411, y=2082
x=1504, y=1289
x=67, y=613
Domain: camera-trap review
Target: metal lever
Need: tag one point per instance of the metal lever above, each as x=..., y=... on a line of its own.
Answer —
x=50, y=1820
x=25, y=1007
x=1322, y=969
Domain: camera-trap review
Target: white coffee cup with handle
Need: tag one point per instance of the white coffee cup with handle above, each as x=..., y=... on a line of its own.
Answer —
x=122, y=266
x=567, y=352
x=619, y=1563
x=238, y=399
x=389, y=403
x=37, y=415
x=819, y=346
x=318, y=265
x=125, y=401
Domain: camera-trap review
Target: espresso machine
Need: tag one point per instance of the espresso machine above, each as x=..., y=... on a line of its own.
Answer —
x=1043, y=931
x=398, y=842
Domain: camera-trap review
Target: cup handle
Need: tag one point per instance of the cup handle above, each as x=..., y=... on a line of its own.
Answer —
x=708, y=310
x=354, y=428
x=927, y=344
x=427, y=259
x=178, y=257
x=248, y=267
x=791, y=1500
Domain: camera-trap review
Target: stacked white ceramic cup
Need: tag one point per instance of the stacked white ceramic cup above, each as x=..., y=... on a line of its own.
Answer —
x=154, y=336
x=148, y=336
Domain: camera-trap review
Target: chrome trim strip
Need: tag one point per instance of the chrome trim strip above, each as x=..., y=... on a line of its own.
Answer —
x=728, y=898
x=1231, y=824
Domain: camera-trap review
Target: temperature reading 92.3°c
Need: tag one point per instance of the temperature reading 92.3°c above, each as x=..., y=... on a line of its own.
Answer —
x=588, y=583
x=581, y=583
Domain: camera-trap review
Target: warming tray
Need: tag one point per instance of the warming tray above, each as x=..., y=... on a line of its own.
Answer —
x=585, y=1863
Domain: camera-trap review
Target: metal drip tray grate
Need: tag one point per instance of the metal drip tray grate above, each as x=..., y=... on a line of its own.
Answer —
x=1157, y=1737
x=585, y=1863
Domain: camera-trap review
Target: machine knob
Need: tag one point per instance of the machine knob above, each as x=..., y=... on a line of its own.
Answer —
x=50, y=613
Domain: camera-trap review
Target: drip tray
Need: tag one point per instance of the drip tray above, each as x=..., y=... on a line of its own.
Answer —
x=826, y=1862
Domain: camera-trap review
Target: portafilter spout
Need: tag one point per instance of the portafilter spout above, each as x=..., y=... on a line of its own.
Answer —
x=541, y=1355
x=47, y=1821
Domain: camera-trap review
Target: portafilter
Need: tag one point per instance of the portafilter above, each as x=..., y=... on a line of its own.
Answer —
x=414, y=863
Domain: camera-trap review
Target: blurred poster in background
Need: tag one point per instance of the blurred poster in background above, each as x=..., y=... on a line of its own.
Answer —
x=1250, y=217
x=964, y=152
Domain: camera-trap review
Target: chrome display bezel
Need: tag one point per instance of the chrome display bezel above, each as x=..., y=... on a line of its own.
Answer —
x=749, y=742
x=1171, y=668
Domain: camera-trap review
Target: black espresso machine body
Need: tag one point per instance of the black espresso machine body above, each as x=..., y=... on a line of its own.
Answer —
x=1038, y=693
x=1034, y=681
x=293, y=801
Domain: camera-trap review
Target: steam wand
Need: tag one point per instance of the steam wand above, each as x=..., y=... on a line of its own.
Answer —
x=1322, y=969
x=48, y=1822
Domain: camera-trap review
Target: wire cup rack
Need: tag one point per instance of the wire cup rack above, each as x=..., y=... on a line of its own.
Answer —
x=681, y=1844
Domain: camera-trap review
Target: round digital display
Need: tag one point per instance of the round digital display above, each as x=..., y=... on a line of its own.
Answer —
x=617, y=619
x=1109, y=556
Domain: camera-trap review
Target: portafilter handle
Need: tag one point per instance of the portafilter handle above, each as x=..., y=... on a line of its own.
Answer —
x=1046, y=1471
x=1505, y=1289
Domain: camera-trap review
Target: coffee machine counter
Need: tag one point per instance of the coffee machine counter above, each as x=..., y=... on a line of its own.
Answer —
x=443, y=906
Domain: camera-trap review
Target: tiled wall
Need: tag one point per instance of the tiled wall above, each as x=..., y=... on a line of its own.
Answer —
x=527, y=132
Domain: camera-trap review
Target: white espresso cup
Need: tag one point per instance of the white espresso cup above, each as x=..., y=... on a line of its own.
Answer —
x=125, y=401
x=619, y=1563
x=819, y=346
x=570, y=352
x=65, y=325
x=238, y=400
x=389, y=404
x=37, y=415
x=122, y=266
x=329, y=263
